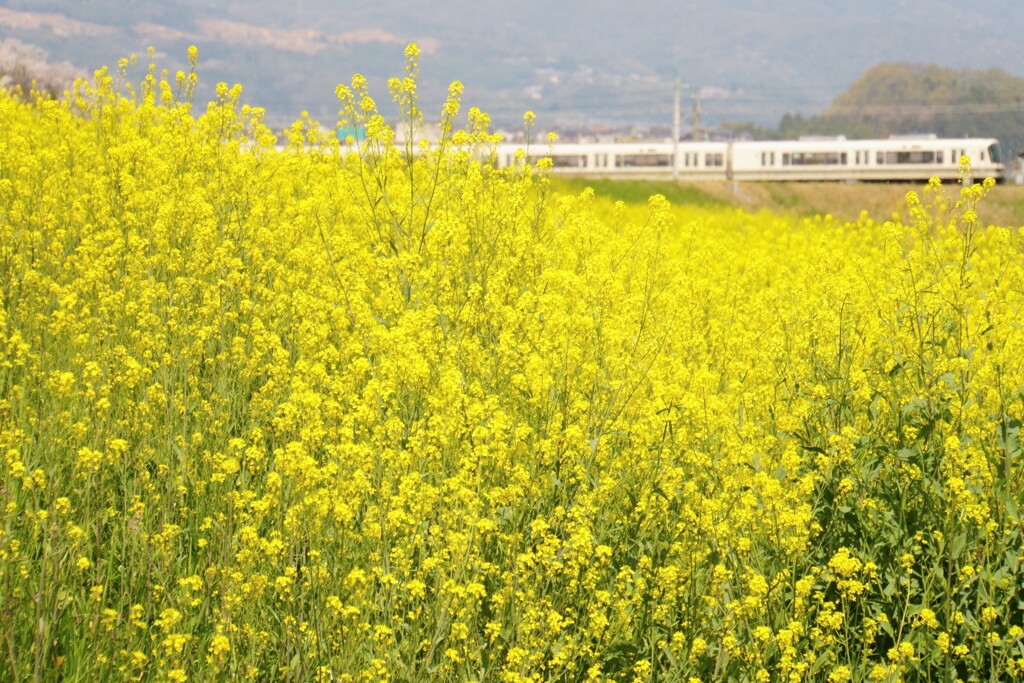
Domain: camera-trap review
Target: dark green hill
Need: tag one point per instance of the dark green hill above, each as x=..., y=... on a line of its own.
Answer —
x=897, y=97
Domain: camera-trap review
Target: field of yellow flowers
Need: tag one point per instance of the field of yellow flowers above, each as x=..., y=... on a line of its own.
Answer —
x=382, y=413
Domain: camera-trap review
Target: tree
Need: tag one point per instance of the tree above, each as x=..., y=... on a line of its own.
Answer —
x=24, y=67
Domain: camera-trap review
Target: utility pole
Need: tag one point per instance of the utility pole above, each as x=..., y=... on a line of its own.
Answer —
x=675, y=132
x=696, y=118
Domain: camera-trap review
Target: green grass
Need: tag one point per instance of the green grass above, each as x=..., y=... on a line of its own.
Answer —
x=638, y=191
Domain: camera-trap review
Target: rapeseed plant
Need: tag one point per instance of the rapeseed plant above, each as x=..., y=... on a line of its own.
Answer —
x=348, y=411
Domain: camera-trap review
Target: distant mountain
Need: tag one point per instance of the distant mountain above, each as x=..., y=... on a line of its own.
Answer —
x=574, y=62
x=897, y=98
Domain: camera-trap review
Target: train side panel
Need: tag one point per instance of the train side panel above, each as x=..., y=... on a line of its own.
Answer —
x=836, y=159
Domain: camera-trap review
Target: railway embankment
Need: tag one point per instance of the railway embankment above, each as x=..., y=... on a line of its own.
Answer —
x=1004, y=206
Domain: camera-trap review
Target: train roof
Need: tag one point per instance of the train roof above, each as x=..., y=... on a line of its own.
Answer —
x=823, y=144
x=898, y=143
x=632, y=147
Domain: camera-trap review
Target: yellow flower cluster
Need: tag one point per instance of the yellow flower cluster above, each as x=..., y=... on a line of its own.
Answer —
x=345, y=411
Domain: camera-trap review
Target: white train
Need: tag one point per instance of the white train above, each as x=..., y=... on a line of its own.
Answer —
x=899, y=158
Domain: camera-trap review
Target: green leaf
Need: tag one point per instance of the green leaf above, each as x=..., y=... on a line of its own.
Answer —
x=925, y=431
x=908, y=454
x=668, y=654
x=1012, y=511
x=957, y=544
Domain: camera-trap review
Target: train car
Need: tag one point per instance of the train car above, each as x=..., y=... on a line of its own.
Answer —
x=624, y=160
x=899, y=158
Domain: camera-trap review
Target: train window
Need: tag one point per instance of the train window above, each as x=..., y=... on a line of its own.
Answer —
x=634, y=160
x=916, y=157
x=568, y=161
x=983, y=155
x=764, y=158
x=880, y=157
x=817, y=158
x=785, y=158
x=842, y=158
x=714, y=159
x=939, y=156
x=773, y=158
x=993, y=154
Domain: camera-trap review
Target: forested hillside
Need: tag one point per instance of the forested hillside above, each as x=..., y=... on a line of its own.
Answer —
x=910, y=98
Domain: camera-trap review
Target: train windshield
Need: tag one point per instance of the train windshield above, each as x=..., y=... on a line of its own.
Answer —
x=993, y=153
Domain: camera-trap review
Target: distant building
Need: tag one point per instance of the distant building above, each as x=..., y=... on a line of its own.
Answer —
x=354, y=132
x=1015, y=172
x=431, y=132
